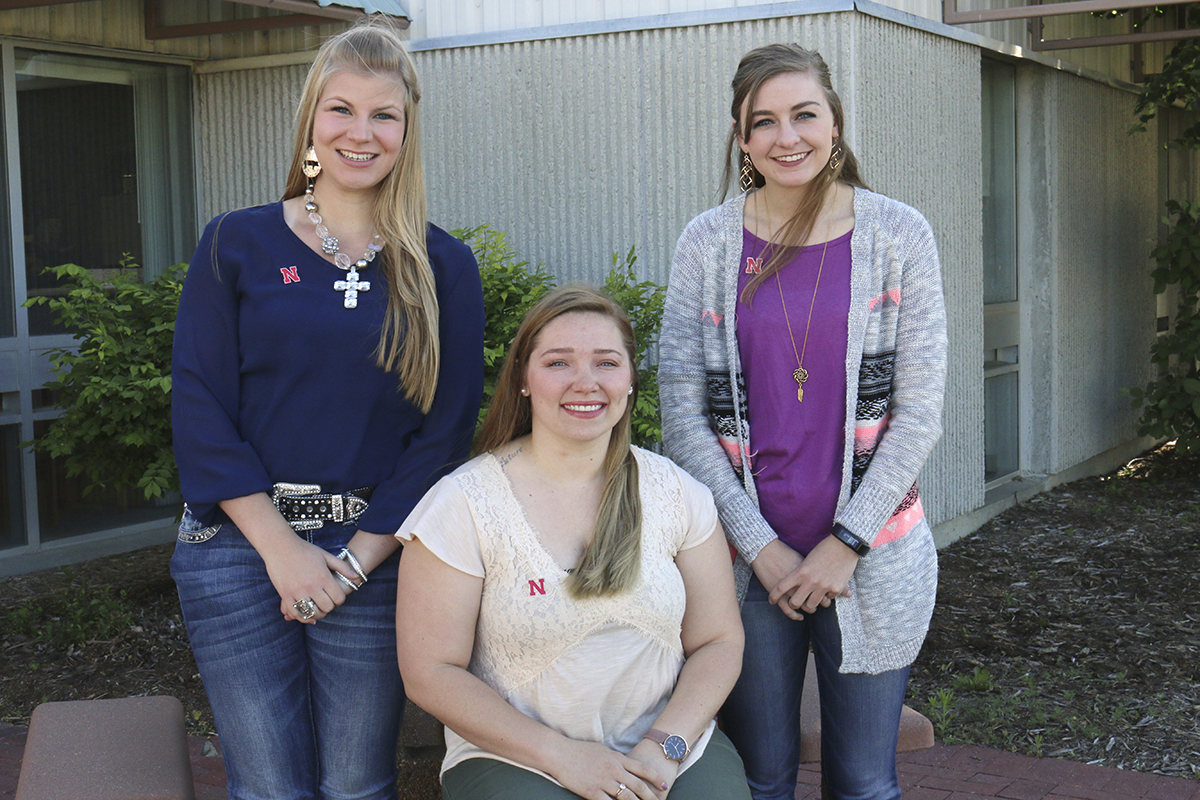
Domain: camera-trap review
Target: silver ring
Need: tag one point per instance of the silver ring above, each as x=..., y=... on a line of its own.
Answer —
x=306, y=608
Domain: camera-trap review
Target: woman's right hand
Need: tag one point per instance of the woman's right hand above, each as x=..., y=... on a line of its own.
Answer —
x=596, y=772
x=300, y=570
x=773, y=564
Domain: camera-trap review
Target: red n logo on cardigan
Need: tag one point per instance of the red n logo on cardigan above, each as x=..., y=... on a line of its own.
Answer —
x=537, y=587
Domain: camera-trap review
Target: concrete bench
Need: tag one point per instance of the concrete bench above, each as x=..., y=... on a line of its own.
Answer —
x=916, y=732
x=129, y=749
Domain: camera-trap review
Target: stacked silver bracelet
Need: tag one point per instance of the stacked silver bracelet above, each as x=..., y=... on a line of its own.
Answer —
x=349, y=558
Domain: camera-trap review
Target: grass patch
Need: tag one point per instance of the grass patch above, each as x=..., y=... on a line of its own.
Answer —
x=72, y=617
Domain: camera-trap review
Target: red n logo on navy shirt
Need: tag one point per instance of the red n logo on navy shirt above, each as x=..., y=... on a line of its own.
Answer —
x=290, y=275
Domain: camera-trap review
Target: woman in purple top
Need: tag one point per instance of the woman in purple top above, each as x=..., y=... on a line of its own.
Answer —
x=802, y=369
x=328, y=369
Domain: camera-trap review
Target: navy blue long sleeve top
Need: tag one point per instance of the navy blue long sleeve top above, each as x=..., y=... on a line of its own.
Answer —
x=274, y=380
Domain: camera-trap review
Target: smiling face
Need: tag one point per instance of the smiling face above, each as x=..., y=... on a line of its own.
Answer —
x=358, y=130
x=792, y=130
x=578, y=378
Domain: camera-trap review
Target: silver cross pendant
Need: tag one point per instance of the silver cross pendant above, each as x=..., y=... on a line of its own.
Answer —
x=351, y=286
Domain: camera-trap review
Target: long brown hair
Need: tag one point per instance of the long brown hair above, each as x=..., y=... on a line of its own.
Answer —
x=611, y=564
x=408, y=342
x=756, y=68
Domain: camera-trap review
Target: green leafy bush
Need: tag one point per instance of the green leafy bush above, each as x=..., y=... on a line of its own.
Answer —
x=643, y=302
x=1177, y=83
x=511, y=287
x=115, y=387
x=1170, y=403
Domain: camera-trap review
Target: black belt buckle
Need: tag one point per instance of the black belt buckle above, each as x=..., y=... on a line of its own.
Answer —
x=306, y=508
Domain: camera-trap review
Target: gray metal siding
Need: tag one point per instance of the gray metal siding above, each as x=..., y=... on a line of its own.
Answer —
x=1105, y=306
x=610, y=141
x=244, y=131
x=917, y=126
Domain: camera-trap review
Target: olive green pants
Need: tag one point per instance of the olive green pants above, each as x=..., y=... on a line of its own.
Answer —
x=718, y=775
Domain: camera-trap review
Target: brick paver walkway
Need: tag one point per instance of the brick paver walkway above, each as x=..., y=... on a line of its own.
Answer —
x=939, y=773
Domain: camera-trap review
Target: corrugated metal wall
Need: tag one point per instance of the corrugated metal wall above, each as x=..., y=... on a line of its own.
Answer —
x=917, y=119
x=437, y=18
x=244, y=132
x=616, y=140
x=581, y=147
x=450, y=18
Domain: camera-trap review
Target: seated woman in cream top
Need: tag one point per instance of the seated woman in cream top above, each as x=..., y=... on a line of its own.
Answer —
x=566, y=601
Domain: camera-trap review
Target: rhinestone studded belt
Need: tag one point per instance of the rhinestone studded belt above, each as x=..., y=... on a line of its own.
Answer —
x=306, y=508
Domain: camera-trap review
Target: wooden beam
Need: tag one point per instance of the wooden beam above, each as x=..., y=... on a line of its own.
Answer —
x=1119, y=38
x=12, y=5
x=952, y=16
x=302, y=7
x=154, y=29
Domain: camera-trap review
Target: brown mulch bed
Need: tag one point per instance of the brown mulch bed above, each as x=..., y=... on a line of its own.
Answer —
x=1068, y=626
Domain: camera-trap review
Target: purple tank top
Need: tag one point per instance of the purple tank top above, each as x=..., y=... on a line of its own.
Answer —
x=796, y=447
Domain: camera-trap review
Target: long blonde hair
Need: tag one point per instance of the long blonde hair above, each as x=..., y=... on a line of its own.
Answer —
x=408, y=342
x=612, y=562
x=756, y=68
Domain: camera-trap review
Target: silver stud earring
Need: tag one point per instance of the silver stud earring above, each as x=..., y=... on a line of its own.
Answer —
x=630, y=390
x=525, y=392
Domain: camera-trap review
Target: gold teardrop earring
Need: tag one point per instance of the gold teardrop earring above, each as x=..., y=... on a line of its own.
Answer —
x=310, y=166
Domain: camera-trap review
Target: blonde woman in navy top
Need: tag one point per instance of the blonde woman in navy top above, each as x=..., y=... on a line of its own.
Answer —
x=802, y=371
x=328, y=369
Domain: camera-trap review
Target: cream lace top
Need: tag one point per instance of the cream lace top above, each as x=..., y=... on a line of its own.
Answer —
x=600, y=669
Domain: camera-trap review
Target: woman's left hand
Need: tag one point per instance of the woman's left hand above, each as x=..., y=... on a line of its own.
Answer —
x=824, y=575
x=651, y=754
x=371, y=549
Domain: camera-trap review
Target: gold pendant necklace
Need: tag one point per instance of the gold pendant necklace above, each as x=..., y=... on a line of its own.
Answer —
x=800, y=374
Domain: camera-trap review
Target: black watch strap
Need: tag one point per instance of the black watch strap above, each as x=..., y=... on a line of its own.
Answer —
x=847, y=538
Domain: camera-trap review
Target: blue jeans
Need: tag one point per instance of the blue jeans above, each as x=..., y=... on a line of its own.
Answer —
x=303, y=711
x=860, y=714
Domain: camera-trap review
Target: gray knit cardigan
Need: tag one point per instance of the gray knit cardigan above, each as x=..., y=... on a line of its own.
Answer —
x=895, y=379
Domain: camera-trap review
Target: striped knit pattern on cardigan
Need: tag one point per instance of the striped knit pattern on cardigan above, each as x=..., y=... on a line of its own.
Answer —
x=895, y=375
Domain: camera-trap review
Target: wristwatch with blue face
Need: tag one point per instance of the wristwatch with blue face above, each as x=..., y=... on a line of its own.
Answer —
x=675, y=747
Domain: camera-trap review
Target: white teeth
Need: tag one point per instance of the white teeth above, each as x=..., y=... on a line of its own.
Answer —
x=790, y=159
x=357, y=156
x=583, y=407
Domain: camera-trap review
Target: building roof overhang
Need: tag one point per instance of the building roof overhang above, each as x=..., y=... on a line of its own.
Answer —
x=295, y=13
x=951, y=15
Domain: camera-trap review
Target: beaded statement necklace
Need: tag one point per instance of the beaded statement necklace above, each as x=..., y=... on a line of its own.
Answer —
x=352, y=285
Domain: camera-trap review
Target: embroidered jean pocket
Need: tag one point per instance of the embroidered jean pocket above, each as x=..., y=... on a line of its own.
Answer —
x=192, y=531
